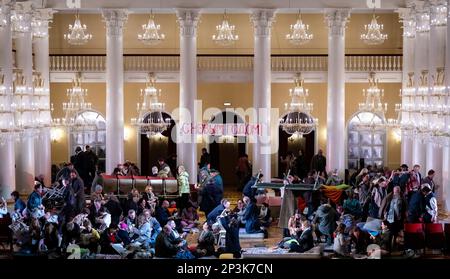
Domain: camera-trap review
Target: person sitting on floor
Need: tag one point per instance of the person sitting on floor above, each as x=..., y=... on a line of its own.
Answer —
x=205, y=242
x=143, y=231
x=251, y=214
x=265, y=217
x=360, y=240
x=89, y=237
x=162, y=214
x=383, y=239
x=175, y=236
x=340, y=245
x=3, y=207
x=109, y=237
x=305, y=241
x=164, y=246
x=189, y=217
x=217, y=211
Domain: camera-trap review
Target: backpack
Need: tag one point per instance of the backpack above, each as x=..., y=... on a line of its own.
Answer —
x=184, y=255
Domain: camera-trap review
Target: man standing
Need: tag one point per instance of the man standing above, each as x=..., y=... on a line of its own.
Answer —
x=319, y=162
x=429, y=180
x=416, y=173
x=91, y=161
x=205, y=159
x=431, y=209
x=78, y=190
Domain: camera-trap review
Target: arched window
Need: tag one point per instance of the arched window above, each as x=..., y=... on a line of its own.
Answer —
x=366, y=140
x=92, y=134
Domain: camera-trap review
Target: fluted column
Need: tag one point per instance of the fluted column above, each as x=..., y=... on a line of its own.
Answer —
x=115, y=20
x=262, y=22
x=408, y=19
x=436, y=61
x=41, y=59
x=25, y=151
x=336, y=19
x=187, y=147
x=7, y=171
x=446, y=148
x=421, y=59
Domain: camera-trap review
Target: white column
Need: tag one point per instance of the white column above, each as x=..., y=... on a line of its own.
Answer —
x=115, y=19
x=41, y=59
x=262, y=22
x=7, y=171
x=408, y=67
x=436, y=60
x=187, y=147
x=25, y=162
x=421, y=59
x=336, y=19
x=446, y=149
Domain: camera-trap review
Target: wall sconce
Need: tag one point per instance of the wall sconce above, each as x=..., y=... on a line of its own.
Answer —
x=56, y=134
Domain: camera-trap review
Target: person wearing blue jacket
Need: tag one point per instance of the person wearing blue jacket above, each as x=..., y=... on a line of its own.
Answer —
x=251, y=214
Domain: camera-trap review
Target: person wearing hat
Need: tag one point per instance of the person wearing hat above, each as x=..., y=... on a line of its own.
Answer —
x=431, y=208
x=404, y=177
x=218, y=182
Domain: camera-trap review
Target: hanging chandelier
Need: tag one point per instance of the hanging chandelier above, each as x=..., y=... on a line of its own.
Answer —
x=39, y=28
x=372, y=110
x=77, y=35
x=151, y=34
x=150, y=119
x=7, y=127
x=75, y=107
x=225, y=33
x=373, y=35
x=298, y=119
x=41, y=104
x=299, y=32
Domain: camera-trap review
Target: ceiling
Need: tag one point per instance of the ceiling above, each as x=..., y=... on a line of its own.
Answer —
x=216, y=6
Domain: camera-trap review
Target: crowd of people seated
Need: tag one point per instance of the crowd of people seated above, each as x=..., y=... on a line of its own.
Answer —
x=373, y=210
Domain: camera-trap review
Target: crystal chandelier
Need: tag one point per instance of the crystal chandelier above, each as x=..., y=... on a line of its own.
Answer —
x=372, y=107
x=77, y=35
x=225, y=36
x=299, y=35
x=41, y=99
x=373, y=35
x=7, y=127
x=74, y=107
x=298, y=119
x=151, y=34
x=150, y=119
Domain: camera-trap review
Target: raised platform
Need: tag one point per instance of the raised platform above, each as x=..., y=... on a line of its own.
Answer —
x=244, y=235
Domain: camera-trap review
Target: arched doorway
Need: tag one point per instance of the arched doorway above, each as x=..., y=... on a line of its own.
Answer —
x=366, y=141
x=90, y=129
x=225, y=150
x=157, y=146
x=294, y=143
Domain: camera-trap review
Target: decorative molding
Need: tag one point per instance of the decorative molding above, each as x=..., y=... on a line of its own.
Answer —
x=115, y=20
x=336, y=20
x=44, y=15
x=262, y=20
x=188, y=21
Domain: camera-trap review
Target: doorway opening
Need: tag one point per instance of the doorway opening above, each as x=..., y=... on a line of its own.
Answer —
x=226, y=150
x=294, y=143
x=158, y=146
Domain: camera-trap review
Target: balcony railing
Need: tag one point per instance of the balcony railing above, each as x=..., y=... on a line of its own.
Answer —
x=143, y=63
